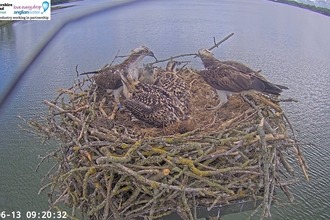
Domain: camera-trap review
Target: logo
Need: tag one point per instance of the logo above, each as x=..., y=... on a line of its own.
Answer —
x=25, y=10
x=45, y=5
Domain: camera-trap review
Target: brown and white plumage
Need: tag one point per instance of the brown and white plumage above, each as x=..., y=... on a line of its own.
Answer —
x=174, y=85
x=150, y=103
x=109, y=77
x=233, y=77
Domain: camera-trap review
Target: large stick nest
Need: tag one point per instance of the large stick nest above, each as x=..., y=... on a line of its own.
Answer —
x=124, y=169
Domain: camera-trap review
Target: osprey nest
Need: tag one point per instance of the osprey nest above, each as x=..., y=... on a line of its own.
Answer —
x=126, y=169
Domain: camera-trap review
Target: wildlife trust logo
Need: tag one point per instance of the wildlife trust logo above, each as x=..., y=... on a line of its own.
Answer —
x=25, y=10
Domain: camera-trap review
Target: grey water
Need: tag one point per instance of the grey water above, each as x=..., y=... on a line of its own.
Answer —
x=291, y=46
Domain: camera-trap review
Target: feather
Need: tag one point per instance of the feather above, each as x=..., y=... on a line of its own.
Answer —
x=174, y=86
x=109, y=77
x=233, y=77
x=150, y=103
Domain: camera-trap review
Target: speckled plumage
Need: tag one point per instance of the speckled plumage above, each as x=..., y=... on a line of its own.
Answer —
x=174, y=85
x=233, y=77
x=150, y=103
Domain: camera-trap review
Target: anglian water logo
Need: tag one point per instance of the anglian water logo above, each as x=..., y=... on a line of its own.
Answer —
x=25, y=10
x=45, y=5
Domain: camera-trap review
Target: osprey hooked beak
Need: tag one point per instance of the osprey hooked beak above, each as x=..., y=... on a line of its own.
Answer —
x=152, y=55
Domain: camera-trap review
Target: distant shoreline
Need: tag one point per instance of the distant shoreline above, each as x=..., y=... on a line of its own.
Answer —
x=5, y=22
x=313, y=8
x=57, y=2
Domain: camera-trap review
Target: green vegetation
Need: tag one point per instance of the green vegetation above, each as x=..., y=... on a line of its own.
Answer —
x=60, y=7
x=314, y=8
x=5, y=22
x=56, y=2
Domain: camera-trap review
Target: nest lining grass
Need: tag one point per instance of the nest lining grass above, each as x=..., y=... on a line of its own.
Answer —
x=124, y=169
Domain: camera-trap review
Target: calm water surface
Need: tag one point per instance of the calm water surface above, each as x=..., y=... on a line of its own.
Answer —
x=290, y=45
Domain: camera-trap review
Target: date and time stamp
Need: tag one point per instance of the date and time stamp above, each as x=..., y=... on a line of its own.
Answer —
x=33, y=215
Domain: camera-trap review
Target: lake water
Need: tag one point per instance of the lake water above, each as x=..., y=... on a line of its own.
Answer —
x=289, y=44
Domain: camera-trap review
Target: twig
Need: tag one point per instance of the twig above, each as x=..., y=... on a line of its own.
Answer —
x=108, y=198
x=213, y=156
x=287, y=100
x=62, y=111
x=194, y=54
x=301, y=162
x=173, y=57
x=214, y=42
x=46, y=157
x=266, y=166
x=290, y=125
x=73, y=110
x=77, y=71
x=58, y=199
x=141, y=179
x=220, y=42
x=115, y=58
x=286, y=164
x=254, y=212
x=271, y=104
x=186, y=206
x=214, y=202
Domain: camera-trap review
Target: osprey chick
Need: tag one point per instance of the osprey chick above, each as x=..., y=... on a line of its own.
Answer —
x=174, y=85
x=150, y=103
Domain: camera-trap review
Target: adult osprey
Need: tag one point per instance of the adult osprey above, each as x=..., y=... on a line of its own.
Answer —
x=230, y=77
x=109, y=77
x=150, y=103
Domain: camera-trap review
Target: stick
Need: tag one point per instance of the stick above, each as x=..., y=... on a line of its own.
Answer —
x=114, y=58
x=220, y=42
x=271, y=104
x=58, y=199
x=173, y=57
x=158, y=184
x=108, y=198
x=62, y=111
x=213, y=156
x=266, y=166
x=194, y=54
